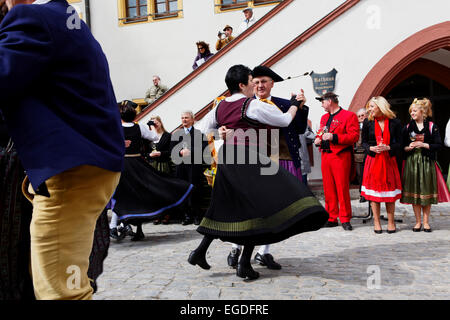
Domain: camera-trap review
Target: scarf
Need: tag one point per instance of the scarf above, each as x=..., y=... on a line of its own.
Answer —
x=382, y=137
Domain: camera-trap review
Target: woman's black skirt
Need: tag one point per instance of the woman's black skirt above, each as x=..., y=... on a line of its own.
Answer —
x=144, y=194
x=252, y=205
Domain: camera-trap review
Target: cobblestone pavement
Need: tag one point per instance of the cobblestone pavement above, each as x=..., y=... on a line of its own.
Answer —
x=327, y=264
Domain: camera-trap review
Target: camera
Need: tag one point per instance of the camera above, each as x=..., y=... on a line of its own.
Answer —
x=221, y=35
x=151, y=123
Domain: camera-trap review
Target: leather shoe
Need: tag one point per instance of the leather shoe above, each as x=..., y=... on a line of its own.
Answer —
x=233, y=257
x=157, y=221
x=330, y=224
x=427, y=230
x=267, y=260
x=246, y=272
x=186, y=221
x=391, y=231
x=378, y=231
x=347, y=226
x=417, y=229
x=138, y=236
x=196, y=259
x=166, y=219
x=113, y=233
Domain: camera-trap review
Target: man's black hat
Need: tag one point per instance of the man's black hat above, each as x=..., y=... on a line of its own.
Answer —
x=328, y=95
x=263, y=71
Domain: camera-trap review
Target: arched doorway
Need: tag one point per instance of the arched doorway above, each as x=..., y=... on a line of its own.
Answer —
x=403, y=74
x=417, y=85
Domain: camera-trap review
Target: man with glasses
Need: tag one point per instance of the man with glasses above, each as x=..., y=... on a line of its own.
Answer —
x=155, y=91
x=288, y=147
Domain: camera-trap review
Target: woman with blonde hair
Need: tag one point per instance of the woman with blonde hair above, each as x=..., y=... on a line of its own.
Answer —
x=422, y=182
x=381, y=139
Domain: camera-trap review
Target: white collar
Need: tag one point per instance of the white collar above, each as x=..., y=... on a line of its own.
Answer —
x=235, y=97
x=41, y=1
x=268, y=98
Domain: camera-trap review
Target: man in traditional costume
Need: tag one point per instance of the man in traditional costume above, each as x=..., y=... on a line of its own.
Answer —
x=288, y=144
x=339, y=131
x=252, y=204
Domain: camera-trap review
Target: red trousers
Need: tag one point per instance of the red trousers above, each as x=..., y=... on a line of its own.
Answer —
x=336, y=185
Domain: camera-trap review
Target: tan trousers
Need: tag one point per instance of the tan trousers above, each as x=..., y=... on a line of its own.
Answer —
x=62, y=231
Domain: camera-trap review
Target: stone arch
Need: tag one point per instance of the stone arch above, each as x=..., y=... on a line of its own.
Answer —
x=401, y=56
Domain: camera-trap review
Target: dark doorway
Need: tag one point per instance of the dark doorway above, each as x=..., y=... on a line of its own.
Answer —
x=418, y=86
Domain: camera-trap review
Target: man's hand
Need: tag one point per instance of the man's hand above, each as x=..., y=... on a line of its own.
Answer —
x=327, y=136
x=300, y=97
x=225, y=133
x=3, y=9
x=185, y=152
x=155, y=154
x=317, y=141
x=127, y=143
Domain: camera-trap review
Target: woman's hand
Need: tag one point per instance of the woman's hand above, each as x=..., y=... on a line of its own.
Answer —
x=127, y=143
x=155, y=154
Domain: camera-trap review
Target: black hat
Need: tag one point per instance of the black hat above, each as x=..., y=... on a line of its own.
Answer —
x=328, y=95
x=263, y=71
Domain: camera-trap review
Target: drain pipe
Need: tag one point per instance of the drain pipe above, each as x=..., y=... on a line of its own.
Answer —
x=87, y=11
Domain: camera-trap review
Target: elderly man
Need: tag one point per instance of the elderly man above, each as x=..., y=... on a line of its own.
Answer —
x=339, y=132
x=61, y=112
x=248, y=21
x=191, y=143
x=289, y=144
x=155, y=91
x=228, y=37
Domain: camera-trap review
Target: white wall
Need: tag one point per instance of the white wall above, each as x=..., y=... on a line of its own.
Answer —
x=352, y=44
x=353, y=48
x=138, y=51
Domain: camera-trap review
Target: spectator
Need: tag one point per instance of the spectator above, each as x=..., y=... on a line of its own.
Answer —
x=203, y=54
x=306, y=139
x=381, y=139
x=421, y=140
x=155, y=91
x=338, y=132
x=222, y=42
x=447, y=143
x=191, y=143
x=248, y=21
x=359, y=151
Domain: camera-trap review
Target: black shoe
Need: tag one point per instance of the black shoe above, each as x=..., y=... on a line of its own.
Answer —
x=391, y=231
x=362, y=199
x=378, y=231
x=196, y=259
x=233, y=257
x=157, y=221
x=115, y=235
x=347, y=226
x=246, y=272
x=330, y=224
x=197, y=221
x=138, y=236
x=166, y=219
x=427, y=230
x=129, y=231
x=417, y=229
x=186, y=221
x=267, y=260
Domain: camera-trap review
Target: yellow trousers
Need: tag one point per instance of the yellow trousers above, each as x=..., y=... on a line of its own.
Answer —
x=62, y=231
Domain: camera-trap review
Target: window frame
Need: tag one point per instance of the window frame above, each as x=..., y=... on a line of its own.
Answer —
x=151, y=16
x=221, y=8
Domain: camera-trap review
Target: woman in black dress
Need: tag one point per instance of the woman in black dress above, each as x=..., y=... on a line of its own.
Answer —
x=143, y=193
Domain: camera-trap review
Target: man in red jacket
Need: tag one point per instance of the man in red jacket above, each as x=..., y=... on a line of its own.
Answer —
x=339, y=130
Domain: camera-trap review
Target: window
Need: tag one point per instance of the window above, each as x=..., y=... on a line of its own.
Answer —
x=224, y=5
x=136, y=10
x=165, y=8
x=142, y=11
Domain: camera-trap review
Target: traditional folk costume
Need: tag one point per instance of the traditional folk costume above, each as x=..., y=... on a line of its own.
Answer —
x=248, y=207
x=381, y=179
x=143, y=193
x=336, y=162
x=423, y=183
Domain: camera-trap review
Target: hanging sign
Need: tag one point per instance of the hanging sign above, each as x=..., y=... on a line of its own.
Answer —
x=324, y=82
